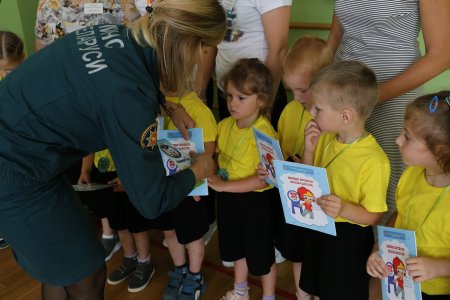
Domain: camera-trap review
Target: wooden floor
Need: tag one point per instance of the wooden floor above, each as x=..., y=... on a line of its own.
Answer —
x=15, y=284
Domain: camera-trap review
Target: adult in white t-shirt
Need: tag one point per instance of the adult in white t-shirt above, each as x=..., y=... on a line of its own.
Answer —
x=256, y=29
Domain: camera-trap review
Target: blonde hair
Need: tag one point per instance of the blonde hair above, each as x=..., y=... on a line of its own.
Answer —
x=177, y=30
x=430, y=117
x=251, y=76
x=350, y=83
x=309, y=54
x=11, y=47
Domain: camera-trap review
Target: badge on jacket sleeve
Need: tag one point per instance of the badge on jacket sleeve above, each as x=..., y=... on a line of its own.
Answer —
x=149, y=137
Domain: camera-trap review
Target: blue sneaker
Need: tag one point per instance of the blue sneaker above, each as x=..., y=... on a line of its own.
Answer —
x=193, y=287
x=173, y=288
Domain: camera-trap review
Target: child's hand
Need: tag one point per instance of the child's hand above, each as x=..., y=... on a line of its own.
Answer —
x=117, y=185
x=261, y=172
x=331, y=205
x=375, y=266
x=422, y=268
x=196, y=198
x=312, y=134
x=216, y=183
x=85, y=178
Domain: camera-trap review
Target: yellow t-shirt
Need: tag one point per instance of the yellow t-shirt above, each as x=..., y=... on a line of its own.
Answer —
x=105, y=160
x=415, y=198
x=237, y=149
x=359, y=174
x=199, y=112
x=291, y=128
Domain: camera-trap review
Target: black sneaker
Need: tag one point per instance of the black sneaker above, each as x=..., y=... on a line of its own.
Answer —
x=125, y=270
x=111, y=246
x=141, y=277
x=3, y=244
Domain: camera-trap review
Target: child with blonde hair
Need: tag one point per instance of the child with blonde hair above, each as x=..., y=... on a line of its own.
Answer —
x=304, y=59
x=242, y=195
x=344, y=95
x=423, y=195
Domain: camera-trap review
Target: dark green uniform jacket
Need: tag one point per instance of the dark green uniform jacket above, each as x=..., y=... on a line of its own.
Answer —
x=94, y=89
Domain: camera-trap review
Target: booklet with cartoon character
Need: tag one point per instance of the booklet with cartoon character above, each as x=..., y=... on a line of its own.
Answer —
x=395, y=246
x=299, y=186
x=175, y=154
x=269, y=150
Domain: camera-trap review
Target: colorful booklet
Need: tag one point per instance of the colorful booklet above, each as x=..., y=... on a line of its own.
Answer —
x=299, y=186
x=90, y=187
x=175, y=154
x=395, y=246
x=269, y=150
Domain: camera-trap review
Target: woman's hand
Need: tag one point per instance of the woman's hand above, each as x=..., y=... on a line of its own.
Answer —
x=180, y=118
x=202, y=165
x=375, y=266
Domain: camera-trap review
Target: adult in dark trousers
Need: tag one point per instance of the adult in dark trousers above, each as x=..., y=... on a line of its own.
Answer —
x=94, y=89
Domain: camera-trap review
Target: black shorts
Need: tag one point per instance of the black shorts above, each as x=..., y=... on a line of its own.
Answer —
x=189, y=219
x=289, y=239
x=119, y=210
x=335, y=267
x=245, y=224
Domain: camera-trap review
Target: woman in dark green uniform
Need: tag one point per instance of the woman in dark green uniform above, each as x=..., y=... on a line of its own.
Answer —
x=94, y=89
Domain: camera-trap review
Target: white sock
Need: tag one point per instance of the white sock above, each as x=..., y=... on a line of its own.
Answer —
x=108, y=236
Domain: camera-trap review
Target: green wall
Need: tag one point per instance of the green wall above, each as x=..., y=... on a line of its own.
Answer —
x=19, y=16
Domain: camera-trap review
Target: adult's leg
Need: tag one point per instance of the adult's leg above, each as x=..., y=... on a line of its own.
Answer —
x=89, y=288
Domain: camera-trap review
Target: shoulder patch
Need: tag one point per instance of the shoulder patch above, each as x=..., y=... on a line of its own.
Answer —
x=149, y=137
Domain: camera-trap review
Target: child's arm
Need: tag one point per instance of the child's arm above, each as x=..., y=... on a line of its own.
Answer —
x=334, y=206
x=86, y=167
x=375, y=266
x=425, y=268
x=244, y=185
x=312, y=134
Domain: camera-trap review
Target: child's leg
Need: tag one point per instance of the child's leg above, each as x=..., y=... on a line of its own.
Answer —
x=176, y=250
x=127, y=240
x=269, y=281
x=240, y=273
x=106, y=229
x=196, y=252
x=297, y=269
x=142, y=242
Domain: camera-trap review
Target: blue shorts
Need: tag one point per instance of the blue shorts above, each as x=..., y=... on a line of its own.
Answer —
x=53, y=239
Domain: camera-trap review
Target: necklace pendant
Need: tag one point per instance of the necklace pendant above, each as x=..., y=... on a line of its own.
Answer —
x=222, y=173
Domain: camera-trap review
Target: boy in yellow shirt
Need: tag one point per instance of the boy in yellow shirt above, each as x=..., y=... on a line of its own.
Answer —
x=344, y=95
